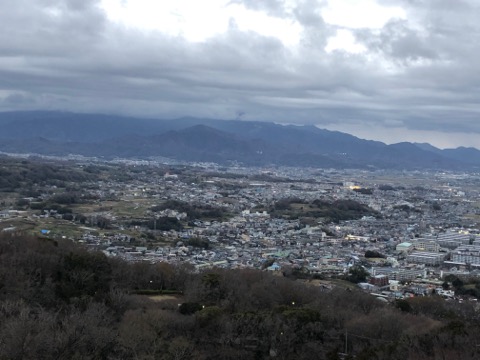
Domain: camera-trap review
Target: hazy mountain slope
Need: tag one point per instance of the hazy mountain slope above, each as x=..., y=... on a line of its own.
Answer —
x=196, y=143
x=463, y=154
x=249, y=142
x=70, y=127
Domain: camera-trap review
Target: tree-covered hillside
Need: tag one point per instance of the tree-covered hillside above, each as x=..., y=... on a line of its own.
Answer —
x=60, y=301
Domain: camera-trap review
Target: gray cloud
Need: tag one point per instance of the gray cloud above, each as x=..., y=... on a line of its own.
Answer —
x=399, y=43
x=418, y=74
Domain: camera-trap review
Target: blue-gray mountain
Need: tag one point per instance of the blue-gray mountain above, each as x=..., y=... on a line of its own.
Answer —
x=222, y=141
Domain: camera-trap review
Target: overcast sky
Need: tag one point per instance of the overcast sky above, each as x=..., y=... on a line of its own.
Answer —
x=390, y=70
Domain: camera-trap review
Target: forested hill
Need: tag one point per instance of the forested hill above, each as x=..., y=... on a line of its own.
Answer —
x=60, y=301
x=221, y=141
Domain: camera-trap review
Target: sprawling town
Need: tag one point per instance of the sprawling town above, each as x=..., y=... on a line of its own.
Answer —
x=401, y=233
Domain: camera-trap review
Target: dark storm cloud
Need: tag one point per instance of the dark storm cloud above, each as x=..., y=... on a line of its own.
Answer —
x=435, y=85
x=420, y=73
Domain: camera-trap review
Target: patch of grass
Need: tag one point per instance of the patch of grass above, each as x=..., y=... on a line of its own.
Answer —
x=344, y=284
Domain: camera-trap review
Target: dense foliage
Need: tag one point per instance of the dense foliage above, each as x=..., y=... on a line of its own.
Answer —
x=60, y=301
x=21, y=175
x=294, y=208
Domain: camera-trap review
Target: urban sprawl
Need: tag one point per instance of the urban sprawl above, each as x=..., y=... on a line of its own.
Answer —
x=409, y=231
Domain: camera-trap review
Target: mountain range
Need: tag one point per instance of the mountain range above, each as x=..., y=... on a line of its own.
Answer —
x=221, y=141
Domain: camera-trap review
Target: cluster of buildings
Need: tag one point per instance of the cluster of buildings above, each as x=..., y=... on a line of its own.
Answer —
x=421, y=223
x=412, y=234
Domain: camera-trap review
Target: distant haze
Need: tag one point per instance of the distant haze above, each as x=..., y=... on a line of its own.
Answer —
x=389, y=70
x=225, y=142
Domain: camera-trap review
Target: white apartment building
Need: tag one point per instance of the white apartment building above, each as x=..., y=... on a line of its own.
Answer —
x=466, y=254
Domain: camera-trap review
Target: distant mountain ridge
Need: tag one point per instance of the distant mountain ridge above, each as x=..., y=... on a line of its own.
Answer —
x=222, y=141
